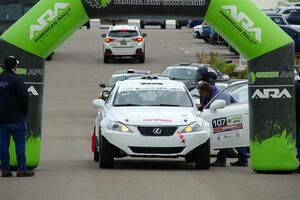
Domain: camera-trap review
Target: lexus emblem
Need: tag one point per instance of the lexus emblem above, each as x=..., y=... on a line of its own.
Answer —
x=157, y=131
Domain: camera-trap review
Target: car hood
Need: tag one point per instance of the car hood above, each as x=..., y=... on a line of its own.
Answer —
x=148, y=116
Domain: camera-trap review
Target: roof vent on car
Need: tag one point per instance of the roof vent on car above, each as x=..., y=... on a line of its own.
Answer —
x=185, y=64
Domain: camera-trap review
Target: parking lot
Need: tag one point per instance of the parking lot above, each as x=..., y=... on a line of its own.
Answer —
x=67, y=170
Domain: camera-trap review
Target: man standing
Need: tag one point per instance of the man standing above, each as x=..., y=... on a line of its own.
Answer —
x=13, y=110
x=207, y=93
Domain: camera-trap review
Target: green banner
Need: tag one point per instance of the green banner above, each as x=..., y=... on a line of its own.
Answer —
x=245, y=27
x=42, y=31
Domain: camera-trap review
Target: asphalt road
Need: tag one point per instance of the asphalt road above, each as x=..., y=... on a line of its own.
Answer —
x=67, y=170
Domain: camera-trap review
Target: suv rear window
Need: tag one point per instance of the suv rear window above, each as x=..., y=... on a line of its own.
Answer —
x=123, y=33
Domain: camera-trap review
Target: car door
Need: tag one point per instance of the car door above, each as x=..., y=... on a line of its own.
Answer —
x=230, y=124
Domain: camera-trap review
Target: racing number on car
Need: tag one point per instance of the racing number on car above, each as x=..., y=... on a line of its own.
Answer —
x=219, y=122
x=227, y=124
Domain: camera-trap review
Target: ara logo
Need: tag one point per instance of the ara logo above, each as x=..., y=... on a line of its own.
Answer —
x=272, y=93
x=247, y=23
x=47, y=17
x=32, y=91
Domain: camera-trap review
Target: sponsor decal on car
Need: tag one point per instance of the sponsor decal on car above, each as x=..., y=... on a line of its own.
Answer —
x=226, y=124
x=158, y=120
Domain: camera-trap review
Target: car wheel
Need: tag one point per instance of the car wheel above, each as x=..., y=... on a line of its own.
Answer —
x=96, y=152
x=206, y=39
x=142, y=58
x=106, y=154
x=106, y=59
x=202, y=156
x=190, y=158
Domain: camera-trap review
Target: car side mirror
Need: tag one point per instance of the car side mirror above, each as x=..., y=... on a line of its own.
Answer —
x=102, y=85
x=217, y=104
x=144, y=34
x=105, y=94
x=225, y=77
x=99, y=104
x=103, y=35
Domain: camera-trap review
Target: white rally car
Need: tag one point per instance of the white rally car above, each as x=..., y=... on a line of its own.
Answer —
x=150, y=117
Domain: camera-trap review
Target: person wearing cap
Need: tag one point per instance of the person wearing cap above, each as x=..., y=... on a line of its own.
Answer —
x=13, y=110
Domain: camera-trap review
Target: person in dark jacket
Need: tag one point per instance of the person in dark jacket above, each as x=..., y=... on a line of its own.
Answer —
x=13, y=110
x=208, y=92
x=207, y=75
x=298, y=122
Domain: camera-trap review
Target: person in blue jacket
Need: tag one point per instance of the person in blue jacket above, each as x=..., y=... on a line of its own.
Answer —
x=207, y=93
x=14, y=100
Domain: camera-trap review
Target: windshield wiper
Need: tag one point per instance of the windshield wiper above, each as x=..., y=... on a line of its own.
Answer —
x=128, y=104
x=162, y=104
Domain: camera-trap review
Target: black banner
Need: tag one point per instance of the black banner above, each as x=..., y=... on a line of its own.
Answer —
x=149, y=9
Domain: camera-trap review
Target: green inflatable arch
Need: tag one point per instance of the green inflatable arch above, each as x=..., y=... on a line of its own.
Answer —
x=266, y=47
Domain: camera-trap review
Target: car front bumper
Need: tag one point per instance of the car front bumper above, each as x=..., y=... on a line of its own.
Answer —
x=136, y=144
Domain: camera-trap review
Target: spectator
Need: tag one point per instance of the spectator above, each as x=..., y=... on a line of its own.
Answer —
x=13, y=110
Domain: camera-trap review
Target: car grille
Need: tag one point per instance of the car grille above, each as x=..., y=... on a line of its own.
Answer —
x=157, y=131
x=157, y=150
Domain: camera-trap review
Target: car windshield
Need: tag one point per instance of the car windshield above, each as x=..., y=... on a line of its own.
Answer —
x=117, y=77
x=237, y=93
x=278, y=20
x=123, y=33
x=152, y=95
x=181, y=73
x=10, y=11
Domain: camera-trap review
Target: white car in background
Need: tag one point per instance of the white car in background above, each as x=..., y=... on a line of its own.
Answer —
x=197, y=30
x=124, y=41
x=150, y=117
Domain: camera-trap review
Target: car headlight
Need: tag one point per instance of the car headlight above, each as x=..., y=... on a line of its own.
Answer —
x=118, y=126
x=194, y=127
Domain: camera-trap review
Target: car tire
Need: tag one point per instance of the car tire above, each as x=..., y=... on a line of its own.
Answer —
x=202, y=156
x=106, y=155
x=106, y=59
x=142, y=58
x=206, y=39
x=96, y=152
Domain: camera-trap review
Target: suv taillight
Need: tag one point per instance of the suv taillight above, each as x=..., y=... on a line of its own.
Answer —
x=138, y=39
x=204, y=24
x=107, y=40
